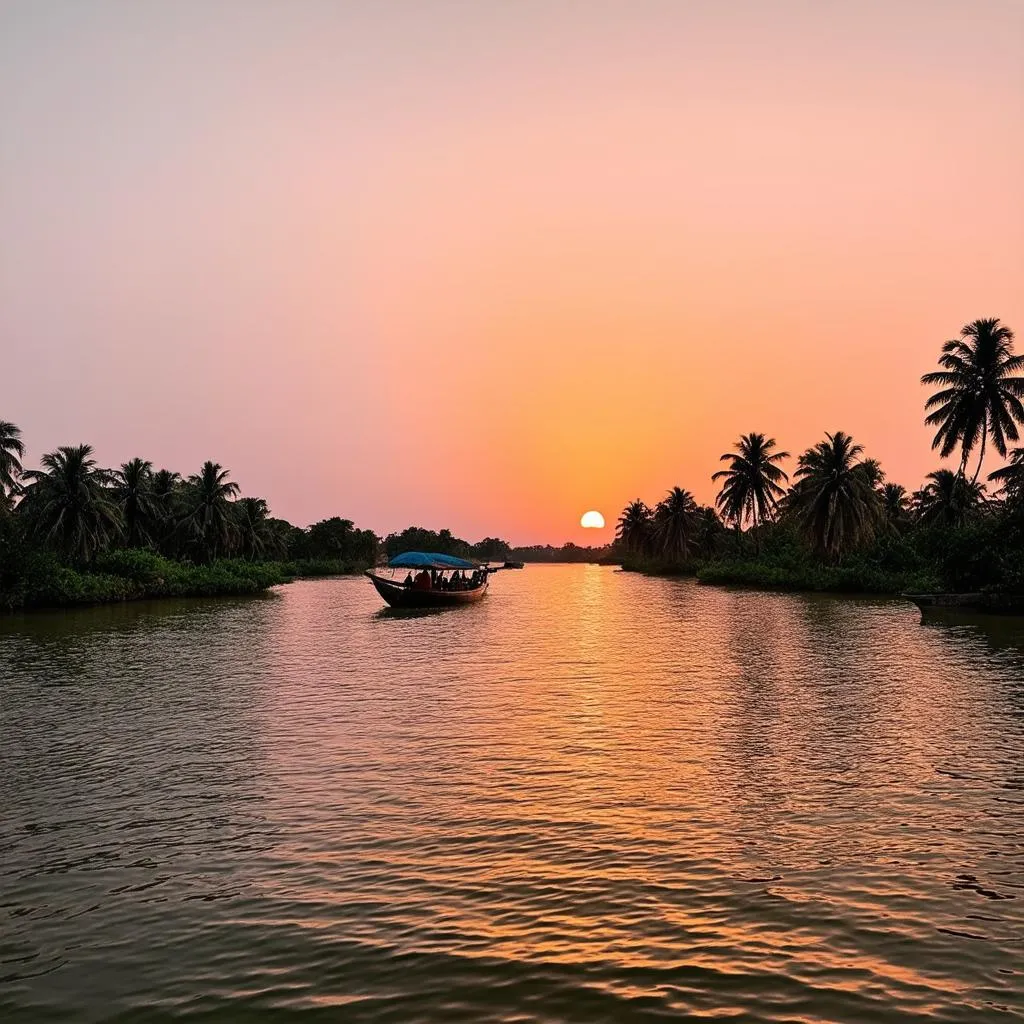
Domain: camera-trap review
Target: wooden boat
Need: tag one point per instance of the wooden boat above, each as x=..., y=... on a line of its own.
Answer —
x=949, y=604
x=927, y=602
x=400, y=594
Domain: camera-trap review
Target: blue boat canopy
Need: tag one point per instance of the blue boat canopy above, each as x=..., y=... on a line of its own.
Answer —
x=429, y=560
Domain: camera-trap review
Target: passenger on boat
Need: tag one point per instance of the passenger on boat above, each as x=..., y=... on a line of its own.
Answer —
x=422, y=581
x=408, y=579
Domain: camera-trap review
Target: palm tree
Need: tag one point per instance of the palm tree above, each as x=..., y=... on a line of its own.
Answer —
x=675, y=525
x=68, y=503
x=894, y=504
x=252, y=523
x=209, y=518
x=165, y=483
x=166, y=490
x=981, y=392
x=872, y=470
x=133, y=488
x=634, y=528
x=836, y=505
x=1011, y=477
x=708, y=532
x=947, y=499
x=753, y=482
x=12, y=451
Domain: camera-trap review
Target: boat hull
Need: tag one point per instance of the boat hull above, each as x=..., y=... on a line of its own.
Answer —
x=989, y=604
x=399, y=596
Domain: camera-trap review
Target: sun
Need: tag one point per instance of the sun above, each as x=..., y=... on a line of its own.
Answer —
x=592, y=521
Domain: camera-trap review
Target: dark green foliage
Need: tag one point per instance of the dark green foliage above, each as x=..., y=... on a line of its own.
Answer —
x=415, y=538
x=490, y=549
x=209, y=523
x=70, y=504
x=947, y=499
x=36, y=578
x=566, y=553
x=133, y=491
x=335, y=540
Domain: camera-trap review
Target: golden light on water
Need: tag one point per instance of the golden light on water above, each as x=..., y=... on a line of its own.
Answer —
x=592, y=521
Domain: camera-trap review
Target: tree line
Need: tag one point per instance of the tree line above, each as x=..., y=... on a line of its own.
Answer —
x=79, y=511
x=839, y=503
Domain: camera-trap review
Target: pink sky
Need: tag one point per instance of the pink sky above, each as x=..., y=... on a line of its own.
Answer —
x=487, y=265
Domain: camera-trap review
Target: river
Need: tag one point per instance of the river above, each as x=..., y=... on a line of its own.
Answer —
x=593, y=796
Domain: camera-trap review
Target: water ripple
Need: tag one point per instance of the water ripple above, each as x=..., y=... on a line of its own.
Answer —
x=592, y=797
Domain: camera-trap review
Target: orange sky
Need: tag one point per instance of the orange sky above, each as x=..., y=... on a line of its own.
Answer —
x=488, y=265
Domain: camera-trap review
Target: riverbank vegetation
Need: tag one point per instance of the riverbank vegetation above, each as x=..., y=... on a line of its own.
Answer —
x=839, y=524
x=72, y=532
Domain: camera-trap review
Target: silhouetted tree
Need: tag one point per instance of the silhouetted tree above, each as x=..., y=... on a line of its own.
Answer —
x=1011, y=477
x=635, y=528
x=132, y=490
x=69, y=505
x=895, y=507
x=209, y=522
x=833, y=499
x=947, y=499
x=981, y=392
x=12, y=451
x=753, y=482
x=675, y=526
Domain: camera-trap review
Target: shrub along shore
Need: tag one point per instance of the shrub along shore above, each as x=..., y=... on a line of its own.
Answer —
x=134, y=575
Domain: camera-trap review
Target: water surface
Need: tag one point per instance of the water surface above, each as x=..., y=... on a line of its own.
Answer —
x=592, y=796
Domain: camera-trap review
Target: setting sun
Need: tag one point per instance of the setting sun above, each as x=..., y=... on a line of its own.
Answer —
x=592, y=521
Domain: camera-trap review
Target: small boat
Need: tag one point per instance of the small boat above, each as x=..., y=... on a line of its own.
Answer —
x=432, y=580
x=991, y=603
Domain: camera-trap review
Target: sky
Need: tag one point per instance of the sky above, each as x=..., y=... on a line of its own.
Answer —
x=487, y=265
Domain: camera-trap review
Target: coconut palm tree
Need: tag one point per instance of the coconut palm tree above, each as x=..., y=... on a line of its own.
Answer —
x=895, y=506
x=167, y=493
x=675, y=525
x=133, y=490
x=165, y=483
x=835, y=504
x=634, y=528
x=981, y=392
x=947, y=499
x=68, y=503
x=708, y=532
x=208, y=519
x=1011, y=477
x=252, y=524
x=872, y=470
x=753, y=482
x=12, y=451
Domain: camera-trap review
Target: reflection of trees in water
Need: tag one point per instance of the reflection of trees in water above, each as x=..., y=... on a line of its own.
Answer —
x=132, y=791
x=807, y=722
x=841, y=712
x=57, y=646
x=144, y=708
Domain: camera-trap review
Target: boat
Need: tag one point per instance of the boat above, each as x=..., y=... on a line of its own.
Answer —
x=432, y=577
x=989, y=603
